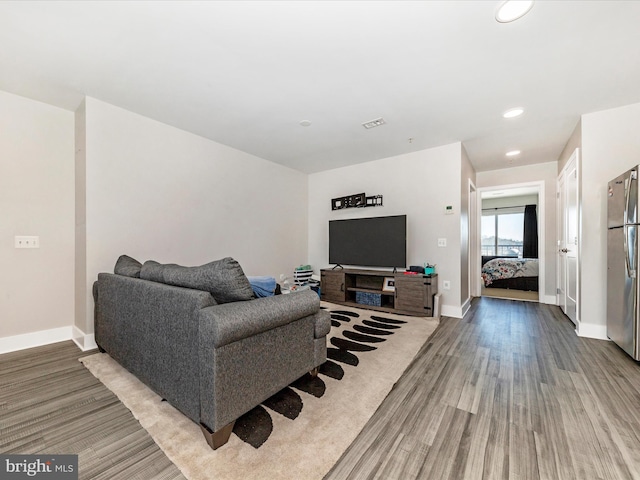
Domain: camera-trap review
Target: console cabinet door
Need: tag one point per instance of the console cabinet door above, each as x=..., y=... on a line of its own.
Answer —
x=411, y=294
x=332, y=286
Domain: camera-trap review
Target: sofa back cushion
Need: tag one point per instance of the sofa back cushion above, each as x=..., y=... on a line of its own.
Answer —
x=127, y=266
x=224, y=279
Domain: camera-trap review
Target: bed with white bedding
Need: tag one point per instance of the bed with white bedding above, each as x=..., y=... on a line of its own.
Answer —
x=514, y=273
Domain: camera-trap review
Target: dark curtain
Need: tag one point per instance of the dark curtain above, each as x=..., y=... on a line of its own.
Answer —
x=530, y=243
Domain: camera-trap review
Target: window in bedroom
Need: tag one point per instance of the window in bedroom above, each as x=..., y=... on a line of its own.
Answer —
x=502, y=231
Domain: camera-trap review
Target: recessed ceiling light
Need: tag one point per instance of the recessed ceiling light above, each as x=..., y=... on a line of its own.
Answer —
x=305, y=123
x=512, y=10
x=513, y=112
x=513, y=153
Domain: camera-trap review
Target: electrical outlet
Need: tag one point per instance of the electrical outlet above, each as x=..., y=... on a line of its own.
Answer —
x=22, y=241
x=446, y=285
x=442, y=242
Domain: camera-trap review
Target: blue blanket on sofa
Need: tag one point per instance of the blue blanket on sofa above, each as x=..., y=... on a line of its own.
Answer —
x=263, y=286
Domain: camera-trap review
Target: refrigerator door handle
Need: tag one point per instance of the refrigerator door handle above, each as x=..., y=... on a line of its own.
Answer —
x=633, y=175
x=629, y=230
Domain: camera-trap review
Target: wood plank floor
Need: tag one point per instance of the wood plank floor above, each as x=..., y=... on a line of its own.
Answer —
x=50, y=403
x=509, y=391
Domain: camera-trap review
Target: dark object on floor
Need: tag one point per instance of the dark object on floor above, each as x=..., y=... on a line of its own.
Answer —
x=371, y=323
x=371, y=331
x=286, y=402
x=254, y=427
x=342, y=356
x=387, y=320
x=359, y=337
x=332, y=370
x=343, y=344
x=311, y=385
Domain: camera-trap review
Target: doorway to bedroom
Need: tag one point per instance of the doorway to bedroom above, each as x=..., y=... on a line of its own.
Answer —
x=510, y=242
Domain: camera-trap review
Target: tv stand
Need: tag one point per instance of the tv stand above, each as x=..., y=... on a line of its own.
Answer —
x=412, y=294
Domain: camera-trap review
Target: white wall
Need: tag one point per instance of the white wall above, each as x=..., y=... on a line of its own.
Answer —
x=36, y=198
x=542, y=172
x=575, y=141
x=156, y=192
x=418, y=184
x=610, y=146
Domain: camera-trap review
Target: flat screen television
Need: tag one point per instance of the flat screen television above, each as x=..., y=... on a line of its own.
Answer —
x=369, y=242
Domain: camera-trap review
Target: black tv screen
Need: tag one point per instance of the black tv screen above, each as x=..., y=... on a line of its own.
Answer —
x=369, y=242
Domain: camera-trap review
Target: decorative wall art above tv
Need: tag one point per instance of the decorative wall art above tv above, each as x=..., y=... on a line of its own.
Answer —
x=358, y=200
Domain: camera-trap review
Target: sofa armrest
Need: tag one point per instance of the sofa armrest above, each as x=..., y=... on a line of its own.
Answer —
x=230, y=322
x=321, y=324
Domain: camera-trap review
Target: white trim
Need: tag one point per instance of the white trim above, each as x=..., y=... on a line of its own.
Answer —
x=466, y=306
x=575, y=160
x=590, y=330
x=542, y=213
x=451, y=311
x=548, y=299
x=85, y=342
x=34, y=339
x=473, y=252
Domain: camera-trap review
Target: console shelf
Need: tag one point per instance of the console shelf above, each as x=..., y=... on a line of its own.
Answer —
x=413, y=294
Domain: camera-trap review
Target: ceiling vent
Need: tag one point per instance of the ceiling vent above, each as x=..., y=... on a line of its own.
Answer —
x=373, y=123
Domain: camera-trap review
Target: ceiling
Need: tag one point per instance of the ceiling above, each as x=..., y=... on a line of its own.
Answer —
x=246, y=74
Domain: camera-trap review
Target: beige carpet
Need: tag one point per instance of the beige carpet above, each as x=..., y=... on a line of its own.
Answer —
x=304, y=448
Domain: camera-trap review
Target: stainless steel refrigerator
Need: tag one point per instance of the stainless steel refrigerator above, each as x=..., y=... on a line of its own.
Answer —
x=622, y=262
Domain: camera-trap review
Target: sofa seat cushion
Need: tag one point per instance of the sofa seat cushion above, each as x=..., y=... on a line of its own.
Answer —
x=224, y=278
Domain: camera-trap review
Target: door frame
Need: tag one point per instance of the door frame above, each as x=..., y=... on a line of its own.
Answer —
x=541, y=214
x=474, y=241
x=573, y=159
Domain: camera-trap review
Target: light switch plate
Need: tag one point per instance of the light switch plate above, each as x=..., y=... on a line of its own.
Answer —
x=22, y=241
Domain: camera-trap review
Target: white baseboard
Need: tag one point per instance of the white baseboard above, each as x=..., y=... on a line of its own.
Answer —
x=85, y=342
x=592, y=331
x=549, y=299
x=35, y=339
x=451, y=311
x=45, y=337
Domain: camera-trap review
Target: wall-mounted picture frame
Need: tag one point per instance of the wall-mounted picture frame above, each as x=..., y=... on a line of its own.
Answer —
x=389, y=284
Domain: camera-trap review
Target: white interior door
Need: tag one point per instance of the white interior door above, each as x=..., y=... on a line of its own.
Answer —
x=568, y=254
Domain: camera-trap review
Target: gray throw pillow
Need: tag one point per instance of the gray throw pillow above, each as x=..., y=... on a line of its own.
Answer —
x=153, y=271
x=224, y=279
x=127, y=266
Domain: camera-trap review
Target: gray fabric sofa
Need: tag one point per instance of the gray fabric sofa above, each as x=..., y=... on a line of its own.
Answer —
x=213, y=361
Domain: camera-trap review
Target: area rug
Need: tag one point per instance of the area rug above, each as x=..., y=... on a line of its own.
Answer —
x=300, y=432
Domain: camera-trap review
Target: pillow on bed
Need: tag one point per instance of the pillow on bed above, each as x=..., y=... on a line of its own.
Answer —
x=224, y=278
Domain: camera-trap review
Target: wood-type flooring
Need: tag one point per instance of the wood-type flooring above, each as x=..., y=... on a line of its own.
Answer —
x=51, y=404
x=508, y=392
